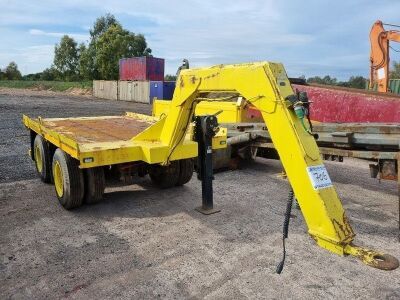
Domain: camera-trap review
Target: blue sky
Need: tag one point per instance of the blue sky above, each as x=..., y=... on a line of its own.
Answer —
x=310, y=37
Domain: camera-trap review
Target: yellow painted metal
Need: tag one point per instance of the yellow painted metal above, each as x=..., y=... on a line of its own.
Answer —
x=62, y=142
x=232, y=111
x=58, y=179
x=38, y=159
x=265, y=86
x=219, y=140
x=145, y=146
x=160, y=108
x=373, y=258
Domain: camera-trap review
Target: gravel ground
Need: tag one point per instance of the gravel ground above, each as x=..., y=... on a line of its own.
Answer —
x=141, y=242
x=14, y=103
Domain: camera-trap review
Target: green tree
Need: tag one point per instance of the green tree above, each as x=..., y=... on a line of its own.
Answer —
x=88, y=67
x=66, y=58
x=11, y=72
x=170, y=77
x=51, y=74
x=86, y=62
x=33, y=76
x=315, y=79
x=343, y=83
x=116, y=43
x=101, y=25
x=395, y=72
x=99, y=58
x=357, y=82
x=327, y=80
x=2, y=75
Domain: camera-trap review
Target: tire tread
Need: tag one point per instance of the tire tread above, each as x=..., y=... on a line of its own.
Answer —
x=186, y=171
x=94, y=185
x=46, y=175
x=73, y=194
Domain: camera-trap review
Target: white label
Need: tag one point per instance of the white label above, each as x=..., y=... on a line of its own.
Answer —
x=319, y=177
x=381, y=73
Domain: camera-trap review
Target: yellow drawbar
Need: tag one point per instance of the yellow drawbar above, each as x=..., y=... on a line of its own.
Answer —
x=265, y=85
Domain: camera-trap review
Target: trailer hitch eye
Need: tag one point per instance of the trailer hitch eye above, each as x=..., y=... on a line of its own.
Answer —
x=383, y=262
x=373, y=259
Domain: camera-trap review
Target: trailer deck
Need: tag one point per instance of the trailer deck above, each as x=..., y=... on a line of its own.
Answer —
x=97, y=129
x=107, y=140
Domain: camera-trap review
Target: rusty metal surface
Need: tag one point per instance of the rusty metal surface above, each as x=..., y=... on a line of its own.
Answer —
x=388, y=169
x=373, y=258
x=334, y=104
x=381, y=128
x=360, y=153
x=94, y=130
x=377, y=137
x=141, y=68
x=365, y=92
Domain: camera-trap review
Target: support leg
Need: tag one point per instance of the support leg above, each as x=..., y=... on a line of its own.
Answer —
x=205, y=130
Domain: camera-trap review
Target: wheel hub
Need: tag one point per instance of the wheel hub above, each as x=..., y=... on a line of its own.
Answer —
x=58, y=179
x=38, y=159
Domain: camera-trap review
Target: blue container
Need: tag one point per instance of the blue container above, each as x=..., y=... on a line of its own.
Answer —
x=156, y=90
x=168, y=90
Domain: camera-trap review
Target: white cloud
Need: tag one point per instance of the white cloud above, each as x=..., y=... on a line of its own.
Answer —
x=78, y=37
x=31, y=59
x=310, y=37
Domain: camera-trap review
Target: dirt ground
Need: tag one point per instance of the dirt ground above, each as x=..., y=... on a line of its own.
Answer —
x=141, y=242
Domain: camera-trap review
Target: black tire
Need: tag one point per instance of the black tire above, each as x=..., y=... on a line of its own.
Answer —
x=186, y=171
x=165, y=176
x=94, y=185
x=72, y=180
x=44, y=170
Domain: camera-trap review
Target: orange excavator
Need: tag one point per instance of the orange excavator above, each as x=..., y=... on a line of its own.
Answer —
x=379, y=37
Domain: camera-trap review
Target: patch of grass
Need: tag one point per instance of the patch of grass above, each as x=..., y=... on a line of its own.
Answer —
x=46, y=85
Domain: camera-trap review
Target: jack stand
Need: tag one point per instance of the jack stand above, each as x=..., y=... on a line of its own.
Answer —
x=205, y=129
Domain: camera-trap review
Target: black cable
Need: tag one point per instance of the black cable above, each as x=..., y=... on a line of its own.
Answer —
x=309, y=121
x=393, y=25
x=382, y=62
x=395, y=50
x=279, y=268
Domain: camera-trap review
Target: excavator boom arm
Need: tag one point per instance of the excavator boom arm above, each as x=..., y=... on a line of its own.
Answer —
x=379, y=56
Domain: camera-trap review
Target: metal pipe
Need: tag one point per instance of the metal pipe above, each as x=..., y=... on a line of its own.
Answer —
x=242, y=138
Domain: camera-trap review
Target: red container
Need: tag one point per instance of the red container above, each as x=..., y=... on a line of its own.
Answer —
x=141, y=68
x=345, y=105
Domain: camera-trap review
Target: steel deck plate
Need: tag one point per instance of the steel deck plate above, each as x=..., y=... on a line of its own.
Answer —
x=97, y=129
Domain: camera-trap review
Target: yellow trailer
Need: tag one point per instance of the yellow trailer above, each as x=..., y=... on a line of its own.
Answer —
x=239, y=111
x=76, y=151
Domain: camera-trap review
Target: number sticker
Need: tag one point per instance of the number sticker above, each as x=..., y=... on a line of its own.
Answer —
x=381, y=73
x=319, y=177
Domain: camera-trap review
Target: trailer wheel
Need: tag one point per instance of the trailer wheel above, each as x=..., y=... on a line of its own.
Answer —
x=186, y=171
x=94, y=184
x=68, y=180
x=165, y=176
x=41, y=153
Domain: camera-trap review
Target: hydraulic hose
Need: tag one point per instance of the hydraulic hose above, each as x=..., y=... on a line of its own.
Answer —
x=289, y=203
